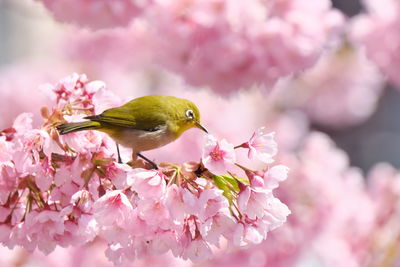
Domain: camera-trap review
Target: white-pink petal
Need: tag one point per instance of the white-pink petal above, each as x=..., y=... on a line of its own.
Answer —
x=275, y=175
x=262, y=146
x=113, y=209
x=148, y=183
x=218, y=156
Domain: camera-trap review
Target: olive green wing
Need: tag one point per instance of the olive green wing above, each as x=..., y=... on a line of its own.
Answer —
x=140, y=115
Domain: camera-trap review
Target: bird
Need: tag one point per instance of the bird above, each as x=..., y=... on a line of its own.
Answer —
x=142, y=124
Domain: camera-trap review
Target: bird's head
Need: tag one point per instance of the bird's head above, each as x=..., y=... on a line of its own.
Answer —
x=188, y=116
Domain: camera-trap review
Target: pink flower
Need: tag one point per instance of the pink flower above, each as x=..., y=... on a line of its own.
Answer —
x=210, y=203
x=23, y=122
x=148, y=183
x=165, y=241
x=113, y=209
x=115, y=217
x=277, y=213
x=43, y=176
x=197, y=251
x=104, y=99
x=120, y=174
x=79, y=231
x=8, y=180
x=81, y=142
x=221, y=224
x=36, y=141
x=43, y=227
x=253, y=203
x=82, y=199
x=218, y=156
x=247, y=234
x=5, y=232
x=153, y=213
x=63, y=174
x=253, y=200
x=180, y=202
x=5, y=149
x=70, y=88
x=275, y=175
x=262, y=146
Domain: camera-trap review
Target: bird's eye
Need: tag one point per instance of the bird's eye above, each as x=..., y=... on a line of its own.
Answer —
x=189, y=114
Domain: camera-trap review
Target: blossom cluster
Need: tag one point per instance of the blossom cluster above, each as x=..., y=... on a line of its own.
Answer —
x=377, y=29
x=224, y=45
x=67, y=190
x=332, y=209
x=258, y=41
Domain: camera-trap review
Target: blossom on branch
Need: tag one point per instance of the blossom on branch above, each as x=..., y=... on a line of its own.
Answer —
x=67, y=190
x=218, y=155
x=261, y=145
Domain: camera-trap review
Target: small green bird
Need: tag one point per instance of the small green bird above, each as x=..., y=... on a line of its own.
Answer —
x=142, y=124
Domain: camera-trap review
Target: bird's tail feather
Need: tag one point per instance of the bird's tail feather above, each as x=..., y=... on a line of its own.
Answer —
x=78, y=126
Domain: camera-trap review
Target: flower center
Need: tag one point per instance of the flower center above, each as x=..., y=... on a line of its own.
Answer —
x=217, y=155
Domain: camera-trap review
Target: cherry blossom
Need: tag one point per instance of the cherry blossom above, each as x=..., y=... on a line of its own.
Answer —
x=262, y=145
x=62, y=191
x=149, y=184
x=113, y=208
x=218, y=155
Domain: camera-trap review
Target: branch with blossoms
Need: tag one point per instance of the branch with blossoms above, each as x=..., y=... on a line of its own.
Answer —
x=68, y=190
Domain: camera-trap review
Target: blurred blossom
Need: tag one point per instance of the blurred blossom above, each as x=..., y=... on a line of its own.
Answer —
x=19, y=81
x=232, y=44
x=377, y=30
x=262, y=145
x=225, y=45
x=121, y=48
x=384, y=187
x=94, y=13
x=341, y=90
x=290, y=126
x=87, y=255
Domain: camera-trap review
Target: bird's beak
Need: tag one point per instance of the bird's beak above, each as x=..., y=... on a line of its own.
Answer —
x=198, y=125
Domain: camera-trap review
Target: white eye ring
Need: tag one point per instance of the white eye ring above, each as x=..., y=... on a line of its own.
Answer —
x=189, y=114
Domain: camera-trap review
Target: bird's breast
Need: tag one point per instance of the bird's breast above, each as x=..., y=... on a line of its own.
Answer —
x=140, y=140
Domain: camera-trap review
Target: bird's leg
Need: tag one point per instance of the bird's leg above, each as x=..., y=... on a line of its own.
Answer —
x=149, y=161
x=119, y=155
